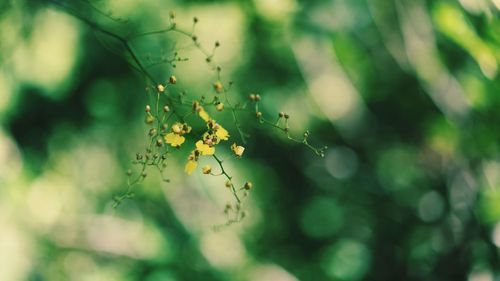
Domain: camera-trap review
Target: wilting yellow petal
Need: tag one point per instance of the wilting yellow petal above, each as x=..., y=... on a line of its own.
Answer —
x=204, y=115
x=222, y=133
x=204, y=149
x=174, y=139
x=190, y=167
x=238, y=150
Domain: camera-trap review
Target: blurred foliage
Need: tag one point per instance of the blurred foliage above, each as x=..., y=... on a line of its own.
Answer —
x=405, y=93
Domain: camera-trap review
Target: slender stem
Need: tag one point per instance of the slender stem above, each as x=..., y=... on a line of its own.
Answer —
x=318, y=151
x=233, y=189
x=100, y=29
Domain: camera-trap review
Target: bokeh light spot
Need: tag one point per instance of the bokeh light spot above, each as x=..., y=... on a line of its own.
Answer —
x=341, y=162
x=430, y=206
x=347, y=260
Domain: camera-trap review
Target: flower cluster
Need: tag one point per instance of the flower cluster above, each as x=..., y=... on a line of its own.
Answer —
x=206, y=145
x=166, y=135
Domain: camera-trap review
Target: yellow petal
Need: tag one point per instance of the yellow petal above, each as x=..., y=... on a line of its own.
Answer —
x=174, y=139
x=190, y=167
x=204, y=115
x=204, y=149
x=222, y=133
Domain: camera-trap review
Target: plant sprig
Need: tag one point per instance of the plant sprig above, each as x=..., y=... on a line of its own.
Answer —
x=165, y=105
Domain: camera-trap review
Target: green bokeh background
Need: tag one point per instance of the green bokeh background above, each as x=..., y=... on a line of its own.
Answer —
x=405, y=93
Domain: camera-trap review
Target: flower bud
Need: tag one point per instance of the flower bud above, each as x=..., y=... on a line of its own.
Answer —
x=258, y=114
x=159, y=142
x=219, y=106
x=243, y=214
x=218, y=86
x=281, y=114
x=229, y=184
x=257, y=97
x=196, y=106
x=148, y=108
x=186, y=129
x=152, y=132
x=207, y=169
x=149, y=119
x=248, y=185
x=166, y=108
x=160, y=88
x=172, y=79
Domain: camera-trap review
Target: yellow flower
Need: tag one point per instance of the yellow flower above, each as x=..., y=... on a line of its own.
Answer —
x=207, y=169
x=210, y=139
x=222, y=133
x=190, y=166
x=238, y=150
x=174, y=139
x=204, y=149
